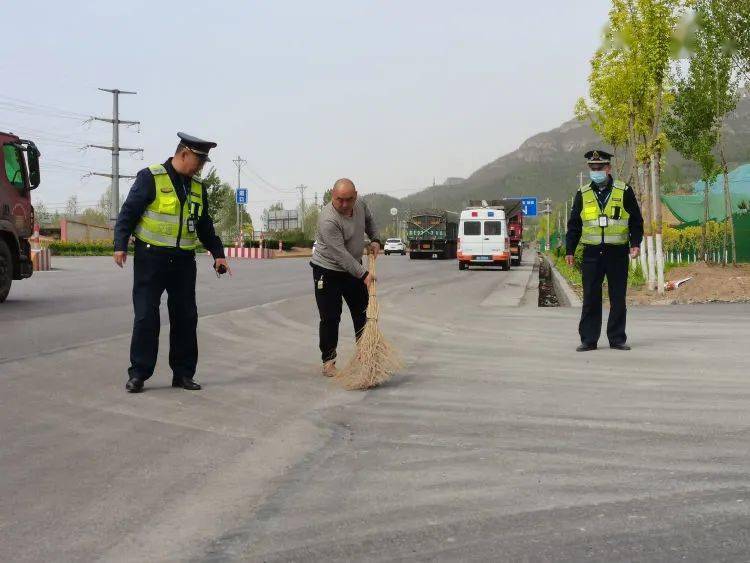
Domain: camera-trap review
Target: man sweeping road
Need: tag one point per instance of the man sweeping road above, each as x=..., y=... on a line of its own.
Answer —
x=338, y=272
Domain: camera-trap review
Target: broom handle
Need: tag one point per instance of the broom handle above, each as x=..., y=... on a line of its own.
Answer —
x=371, y=262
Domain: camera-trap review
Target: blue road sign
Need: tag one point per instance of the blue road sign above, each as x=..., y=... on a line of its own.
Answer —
x=529, y=206
x=242, y=196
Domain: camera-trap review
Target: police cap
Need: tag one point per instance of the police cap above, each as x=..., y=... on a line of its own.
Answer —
x=598, y=157
x=196, y=145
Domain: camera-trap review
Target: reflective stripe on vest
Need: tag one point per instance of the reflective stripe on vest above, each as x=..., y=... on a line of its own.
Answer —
x=616, y=231
x=165, y=221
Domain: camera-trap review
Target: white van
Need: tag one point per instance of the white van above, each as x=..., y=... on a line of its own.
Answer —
x=483, y=238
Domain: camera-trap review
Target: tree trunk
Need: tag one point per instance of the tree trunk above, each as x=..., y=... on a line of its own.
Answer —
x=728, y=203
x=640, y=196
x=650, y=272
x=704, y=247
x=656, y=192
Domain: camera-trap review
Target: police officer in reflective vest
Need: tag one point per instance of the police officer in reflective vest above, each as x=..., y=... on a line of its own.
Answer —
x=167, y=211
x=606, y=218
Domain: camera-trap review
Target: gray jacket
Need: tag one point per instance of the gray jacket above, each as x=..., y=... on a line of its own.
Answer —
x=340, y=240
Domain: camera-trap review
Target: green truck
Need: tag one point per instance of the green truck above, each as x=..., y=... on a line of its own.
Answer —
x=432, y=233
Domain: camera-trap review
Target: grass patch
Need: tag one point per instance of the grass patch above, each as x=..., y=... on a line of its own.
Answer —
x=573, y=275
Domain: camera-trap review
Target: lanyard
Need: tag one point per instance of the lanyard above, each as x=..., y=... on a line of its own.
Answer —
x=606, y=201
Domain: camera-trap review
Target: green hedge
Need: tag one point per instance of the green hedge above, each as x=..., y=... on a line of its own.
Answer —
x=93, y=248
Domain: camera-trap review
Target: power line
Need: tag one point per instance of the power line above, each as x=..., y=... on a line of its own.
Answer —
x=45, y=107
x=269, y=184
x=115, y=149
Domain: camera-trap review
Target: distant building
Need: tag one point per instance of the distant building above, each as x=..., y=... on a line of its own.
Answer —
x=453, y=181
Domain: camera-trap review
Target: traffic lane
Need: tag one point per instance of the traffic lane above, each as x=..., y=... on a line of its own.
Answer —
x=161, y=475
x=89, y=298
x=500, y=442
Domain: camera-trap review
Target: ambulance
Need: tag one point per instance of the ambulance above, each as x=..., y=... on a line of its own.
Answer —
x=483, y=237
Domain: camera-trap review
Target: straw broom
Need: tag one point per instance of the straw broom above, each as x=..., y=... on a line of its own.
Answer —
x=375, y=360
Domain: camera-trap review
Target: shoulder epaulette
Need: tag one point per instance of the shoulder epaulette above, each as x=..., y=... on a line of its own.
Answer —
x=157, y=169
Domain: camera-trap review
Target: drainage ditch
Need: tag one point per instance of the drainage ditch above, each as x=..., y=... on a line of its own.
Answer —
x=547, y=295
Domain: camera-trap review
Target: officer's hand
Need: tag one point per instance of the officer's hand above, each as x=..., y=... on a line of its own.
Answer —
x=374, y=249
x=369, y=280
x=635, y=252
x=222, y=262
x=570, y=260
x=121, y=257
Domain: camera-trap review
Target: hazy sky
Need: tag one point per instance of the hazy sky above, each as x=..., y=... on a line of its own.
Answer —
x=389, y=93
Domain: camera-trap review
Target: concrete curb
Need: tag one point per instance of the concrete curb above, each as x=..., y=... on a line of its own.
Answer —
x=565, y=294
x=291, y=256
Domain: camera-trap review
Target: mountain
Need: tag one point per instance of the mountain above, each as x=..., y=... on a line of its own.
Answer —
x=548, y=165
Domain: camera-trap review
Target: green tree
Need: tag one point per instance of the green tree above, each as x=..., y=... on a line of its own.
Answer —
x=732, y=18
x=94, y=216
x=629, y=86
x=41, y=213
x=703, y=97
x=312, y=213
x=71, y=207
x=222, y=206
x=104, y=200
x=327, y=196
x=215, y=192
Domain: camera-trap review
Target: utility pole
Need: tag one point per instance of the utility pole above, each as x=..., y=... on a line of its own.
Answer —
x=114, y=204
x=239, y=162
x=316, y=200
x=547, y=211
x=301, y=189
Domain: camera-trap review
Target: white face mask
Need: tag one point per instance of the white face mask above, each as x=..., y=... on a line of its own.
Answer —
x=598, y=176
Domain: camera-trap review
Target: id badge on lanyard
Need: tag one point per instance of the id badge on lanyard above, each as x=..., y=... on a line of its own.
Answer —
x=603, y=221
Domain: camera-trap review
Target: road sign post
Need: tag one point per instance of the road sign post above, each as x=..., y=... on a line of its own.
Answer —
x=241, y=199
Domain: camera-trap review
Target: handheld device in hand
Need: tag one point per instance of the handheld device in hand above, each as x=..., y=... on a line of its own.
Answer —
x=221, y=269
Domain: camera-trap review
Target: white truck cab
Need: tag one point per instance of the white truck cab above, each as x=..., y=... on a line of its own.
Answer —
x=483, y=238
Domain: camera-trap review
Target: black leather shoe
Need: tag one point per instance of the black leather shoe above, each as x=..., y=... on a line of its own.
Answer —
x=586, y=347
x=619, y=347
x=134, y=385
x=186, y=383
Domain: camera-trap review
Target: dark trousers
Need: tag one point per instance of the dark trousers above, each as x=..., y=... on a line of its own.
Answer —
x=154, y=272
x=328, y=295
x=598, y=262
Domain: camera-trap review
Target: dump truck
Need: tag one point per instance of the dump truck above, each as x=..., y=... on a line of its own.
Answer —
x=513, y=209
x=432, y=233
x=20, y=175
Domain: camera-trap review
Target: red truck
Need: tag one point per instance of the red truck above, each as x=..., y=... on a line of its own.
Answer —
x=515, y=230
x=20, y=175
x=514, y=216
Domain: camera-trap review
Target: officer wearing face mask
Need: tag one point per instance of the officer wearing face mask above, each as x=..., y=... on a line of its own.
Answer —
x=606, y=219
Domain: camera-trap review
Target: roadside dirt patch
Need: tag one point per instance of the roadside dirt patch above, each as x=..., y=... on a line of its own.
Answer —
x=710, y=284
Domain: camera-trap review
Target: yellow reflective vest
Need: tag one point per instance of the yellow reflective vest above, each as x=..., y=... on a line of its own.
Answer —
x=616, y=231
x=166, y=222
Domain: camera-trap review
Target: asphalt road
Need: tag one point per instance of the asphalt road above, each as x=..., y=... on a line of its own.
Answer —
x=497, y=442
x=88, y=299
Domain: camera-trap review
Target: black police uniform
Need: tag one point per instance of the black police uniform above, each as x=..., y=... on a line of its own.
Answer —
x=603, y=260
x=156, y=269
